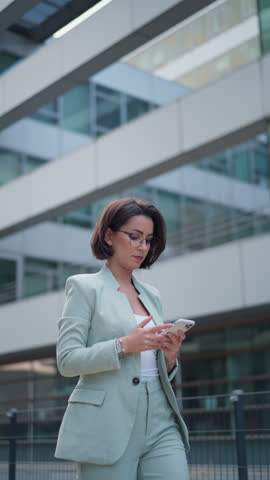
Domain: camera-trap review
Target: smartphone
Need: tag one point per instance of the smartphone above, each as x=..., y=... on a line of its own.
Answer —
x=182, y=324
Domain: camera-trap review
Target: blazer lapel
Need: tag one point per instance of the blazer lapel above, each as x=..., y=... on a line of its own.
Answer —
x=125, y=310
x=145, y=299
x=120, y=299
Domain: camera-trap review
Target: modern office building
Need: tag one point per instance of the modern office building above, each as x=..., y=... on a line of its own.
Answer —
x=165, y=100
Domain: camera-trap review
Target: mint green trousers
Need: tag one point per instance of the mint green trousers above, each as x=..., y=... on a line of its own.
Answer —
x=155, y=450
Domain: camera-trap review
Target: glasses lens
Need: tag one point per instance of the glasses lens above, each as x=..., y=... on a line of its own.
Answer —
x=138, y=239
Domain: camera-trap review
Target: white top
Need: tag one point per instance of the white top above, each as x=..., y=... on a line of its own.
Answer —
x=149, y=368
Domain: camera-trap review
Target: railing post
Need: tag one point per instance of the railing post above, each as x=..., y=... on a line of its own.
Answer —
x=237, y=399
x=12, y=414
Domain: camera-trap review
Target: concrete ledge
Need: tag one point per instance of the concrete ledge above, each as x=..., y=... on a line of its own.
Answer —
x=214, y=281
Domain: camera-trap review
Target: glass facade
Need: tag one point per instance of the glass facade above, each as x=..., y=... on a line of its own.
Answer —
x=7, y=60
x=264, y=18
x=90, y=110
x=10, y=166
x=93, y=109
x=76, y=111
x=48, y=113
x=8, y=275
x=41, y=276
x=14, y=164
x=205, y=47
x=227, y=357
x=248, y=162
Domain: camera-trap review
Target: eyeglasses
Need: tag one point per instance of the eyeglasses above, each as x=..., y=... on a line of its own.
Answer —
x=137, y=239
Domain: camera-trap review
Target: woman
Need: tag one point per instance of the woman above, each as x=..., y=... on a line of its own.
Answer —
x=122, y=419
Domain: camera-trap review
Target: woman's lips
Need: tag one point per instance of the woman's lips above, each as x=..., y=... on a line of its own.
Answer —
x=138, y=258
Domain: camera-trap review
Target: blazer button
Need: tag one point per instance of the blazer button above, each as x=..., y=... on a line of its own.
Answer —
x=136, y=380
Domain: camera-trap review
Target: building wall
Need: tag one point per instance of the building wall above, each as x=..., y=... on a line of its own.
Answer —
x=202, y=156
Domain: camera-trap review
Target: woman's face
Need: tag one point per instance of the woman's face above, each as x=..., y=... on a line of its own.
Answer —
x=131, y=243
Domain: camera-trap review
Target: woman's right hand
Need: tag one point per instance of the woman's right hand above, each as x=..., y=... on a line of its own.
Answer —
x=141, y=339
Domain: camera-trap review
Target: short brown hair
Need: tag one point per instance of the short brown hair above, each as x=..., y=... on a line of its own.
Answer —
x=116, y=214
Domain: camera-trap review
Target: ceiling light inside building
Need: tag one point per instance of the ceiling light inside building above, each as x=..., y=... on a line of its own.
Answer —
x=91, y=11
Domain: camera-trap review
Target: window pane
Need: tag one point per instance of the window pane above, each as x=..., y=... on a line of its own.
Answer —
x=135, y=107
x=9, y=166
x=6, y=61
x=39, y=276
x=31, y=163
x=76, y=110
x=50, y=107
x=48, y=113
x=262, y=168
x=264, y=6
x=108, y=113
x=34, y=284
x=107, y=92
x=169, y=205
x=241, y=165
x=7, y=280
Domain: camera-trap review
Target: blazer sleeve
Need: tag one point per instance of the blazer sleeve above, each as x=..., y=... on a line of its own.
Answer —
x=174, y=370
x=73, y=356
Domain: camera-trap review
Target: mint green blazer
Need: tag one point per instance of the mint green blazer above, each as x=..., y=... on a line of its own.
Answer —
x=102, y=407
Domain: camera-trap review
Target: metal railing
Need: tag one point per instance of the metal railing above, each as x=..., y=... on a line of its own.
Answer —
x=217, y=230
x=230, y=439
x=8, y=292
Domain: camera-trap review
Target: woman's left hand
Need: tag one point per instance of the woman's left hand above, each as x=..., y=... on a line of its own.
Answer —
x=170, y=347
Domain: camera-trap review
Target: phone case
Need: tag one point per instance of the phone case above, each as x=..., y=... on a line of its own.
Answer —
x=182, y=325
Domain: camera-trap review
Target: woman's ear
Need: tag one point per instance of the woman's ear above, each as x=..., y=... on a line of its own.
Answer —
x=108, y=236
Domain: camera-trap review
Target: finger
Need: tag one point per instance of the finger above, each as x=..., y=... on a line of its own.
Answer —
x=158, y=328
x=172, y=342
x=180, y=333
x=154, y=339
x=145, y=321
x=181, y=337
x=152, y=342
x=166, y=343
x=173, y=338
x=162, y=345
x=170, y=346
x=165, y=349
x=150, y=346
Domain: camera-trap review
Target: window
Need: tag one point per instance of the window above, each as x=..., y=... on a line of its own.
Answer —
x=108, y=113
x=10, y=166
x=48, y=113
x=264, y=15
x=135, y=107
x=39, y=276
x=7, y=280
x=76, y=110
x=6, y=61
